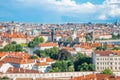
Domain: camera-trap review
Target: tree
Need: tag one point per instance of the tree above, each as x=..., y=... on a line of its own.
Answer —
x=107, y=71
x=116, y=48
x=14, y=42
x=114, y=36
x=33, y=57
x=13, y=47
x=52, y=52
x=40, y=53
x=31, y=44
x=64, y=55
x=38, y=40
x=35, y=41
x=61, y=66
x=56, y=69
x=88, y=37
x=71, y=69
x=19, y=48
x=101, y=48
x=83, y=63
x=83, y=67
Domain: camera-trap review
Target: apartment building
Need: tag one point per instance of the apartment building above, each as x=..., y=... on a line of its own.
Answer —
x=106, y=59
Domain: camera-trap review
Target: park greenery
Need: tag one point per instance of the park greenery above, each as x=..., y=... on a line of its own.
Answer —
x=35, y=41
x=65, y=61
x=107, y=71
x=12, y=47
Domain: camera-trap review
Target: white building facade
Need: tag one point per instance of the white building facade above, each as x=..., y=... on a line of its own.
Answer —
x=106, y=59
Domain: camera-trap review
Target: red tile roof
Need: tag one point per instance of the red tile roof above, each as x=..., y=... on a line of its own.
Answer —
x=20, y=70
x=16, y=60
x=47, y=44
x=41, y=64
x=14, y=35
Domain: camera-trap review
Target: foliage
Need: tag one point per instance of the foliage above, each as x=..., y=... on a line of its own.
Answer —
x=101, y=48
x=24, y=45
x=35, y=41
x=114, y=36
x=116, y=48
x=31, y=44
x=40, y=53
x=52, y=52
x=4, y=78
x=14, y=42
x=33, y=57
x=86, y=67
x=13, y=47
x=61, y=66
x=83, y=63
x=64, y=55
x=88, y=38
x=107, y=71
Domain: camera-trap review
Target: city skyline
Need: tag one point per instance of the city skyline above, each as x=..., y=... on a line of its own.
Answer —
x=60, y=11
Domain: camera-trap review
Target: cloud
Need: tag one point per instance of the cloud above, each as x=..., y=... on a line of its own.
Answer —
x=102, y=17
x=109, y=8
x=67, y=9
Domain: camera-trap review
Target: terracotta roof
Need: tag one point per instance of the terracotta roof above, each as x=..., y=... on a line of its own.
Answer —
x=83, y=45
x=1, y=63
x=41, y=64
x=85, y=77
x=16, y=60
x=116, y=51
x=14, y=35
x=3, y=54
x=96, y=77
x=19, y=55
x=96, y=44
x=20, y=70
x=23, y=79
x=103, y=53
x=49, y=60
x=110, y=46
x=47, y=44
x=68, y=49
x=107, y=52
x=105, y=77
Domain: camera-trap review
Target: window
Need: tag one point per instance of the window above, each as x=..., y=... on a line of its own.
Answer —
x=97, y=63
x=97, y=58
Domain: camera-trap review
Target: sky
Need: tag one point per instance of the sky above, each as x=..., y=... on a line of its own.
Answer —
x=60, y=11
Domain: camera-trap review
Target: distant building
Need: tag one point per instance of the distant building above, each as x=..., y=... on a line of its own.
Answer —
x=106, y=59
x=44, y=46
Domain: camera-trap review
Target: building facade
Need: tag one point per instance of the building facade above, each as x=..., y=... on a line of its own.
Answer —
x=106, y=59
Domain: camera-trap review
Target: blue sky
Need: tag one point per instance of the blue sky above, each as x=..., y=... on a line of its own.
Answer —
x=59, y=11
